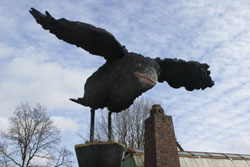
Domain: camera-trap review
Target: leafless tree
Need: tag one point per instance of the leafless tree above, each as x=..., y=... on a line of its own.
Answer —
x=32, y=135
x=128, y=125
x=62, y=158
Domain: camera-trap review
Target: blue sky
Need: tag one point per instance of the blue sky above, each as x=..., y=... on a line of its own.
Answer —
x=36, y=67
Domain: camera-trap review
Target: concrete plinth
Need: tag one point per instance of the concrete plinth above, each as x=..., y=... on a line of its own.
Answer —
x=99, y=154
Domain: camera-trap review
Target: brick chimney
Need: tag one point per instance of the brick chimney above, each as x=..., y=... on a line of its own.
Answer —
x=160, y=149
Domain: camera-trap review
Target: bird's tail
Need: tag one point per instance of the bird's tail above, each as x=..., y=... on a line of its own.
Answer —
x=79, y=101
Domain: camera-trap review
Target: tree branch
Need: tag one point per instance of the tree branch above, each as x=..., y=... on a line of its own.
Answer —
x=10, y=158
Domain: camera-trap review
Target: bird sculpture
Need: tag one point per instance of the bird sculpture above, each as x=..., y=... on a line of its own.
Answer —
x=125, y=75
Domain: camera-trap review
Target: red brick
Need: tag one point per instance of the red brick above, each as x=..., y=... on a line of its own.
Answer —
x=160, y=149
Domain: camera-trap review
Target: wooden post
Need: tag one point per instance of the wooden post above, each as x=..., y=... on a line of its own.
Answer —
x=109, y=126
x=92, y=125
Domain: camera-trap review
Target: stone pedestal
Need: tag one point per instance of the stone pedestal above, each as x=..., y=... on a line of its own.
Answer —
x=99, y=154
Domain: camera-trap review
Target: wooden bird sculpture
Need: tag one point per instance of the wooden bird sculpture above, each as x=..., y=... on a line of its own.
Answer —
x=125, y=75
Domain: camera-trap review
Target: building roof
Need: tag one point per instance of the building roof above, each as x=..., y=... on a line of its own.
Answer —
x=135, y=158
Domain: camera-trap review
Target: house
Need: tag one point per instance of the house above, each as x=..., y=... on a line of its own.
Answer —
x=135, y=158
x=161, y=149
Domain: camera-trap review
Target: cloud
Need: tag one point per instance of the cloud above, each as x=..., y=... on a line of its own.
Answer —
x=66, y=124
x=39, y=161
x=4, y=124
x=32, y=79
x=240, y=144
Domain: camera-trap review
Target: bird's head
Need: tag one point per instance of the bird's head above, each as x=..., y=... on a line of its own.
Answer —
x=145, y=70
x=148, y=79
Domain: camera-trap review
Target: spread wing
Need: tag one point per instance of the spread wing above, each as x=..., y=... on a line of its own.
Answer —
x=95, y=40
x=192, y=75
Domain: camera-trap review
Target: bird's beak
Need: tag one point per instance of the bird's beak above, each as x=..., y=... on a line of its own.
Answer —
x=146, y=79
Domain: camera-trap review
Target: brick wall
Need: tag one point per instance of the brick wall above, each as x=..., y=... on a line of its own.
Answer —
x=160, y=149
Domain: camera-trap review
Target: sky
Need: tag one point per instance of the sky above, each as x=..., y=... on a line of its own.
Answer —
x=36, y=67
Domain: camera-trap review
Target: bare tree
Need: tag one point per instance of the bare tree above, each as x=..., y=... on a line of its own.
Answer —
x=31, y=135
x=3, y=160
x=128, y=125
x=62, y=158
